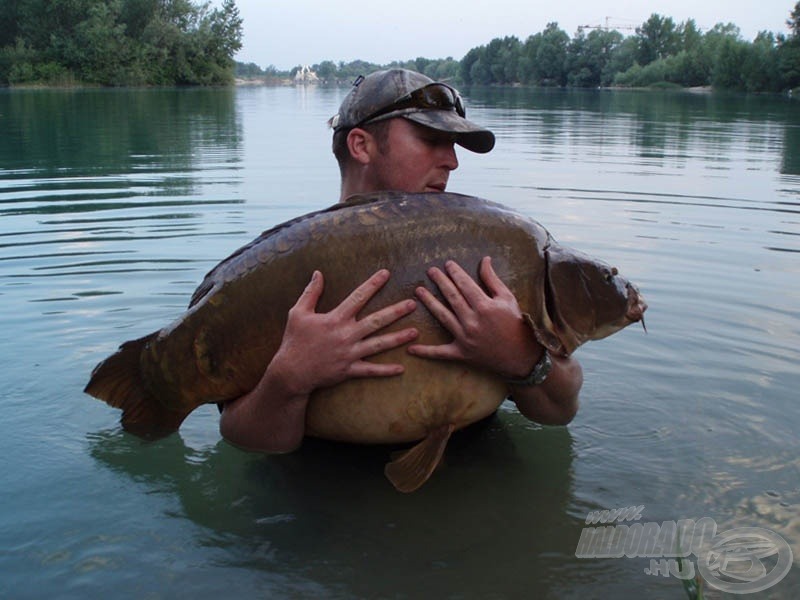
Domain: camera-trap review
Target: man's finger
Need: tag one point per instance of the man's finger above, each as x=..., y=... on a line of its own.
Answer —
x=467, y=286
x=387, y=341
x=489, y=277
x=363, y=368
x=450, y=290
x=311, y=295
x=359, y=297
x=440, y=352
x=386, y=316
x=440, y=312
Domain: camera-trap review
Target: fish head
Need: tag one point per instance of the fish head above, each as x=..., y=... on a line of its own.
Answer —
x=587, y=299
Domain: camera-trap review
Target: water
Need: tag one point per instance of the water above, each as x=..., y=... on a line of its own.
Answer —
x=115, y=203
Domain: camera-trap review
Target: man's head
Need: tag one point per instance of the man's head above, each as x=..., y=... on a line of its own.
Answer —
x=387, y=105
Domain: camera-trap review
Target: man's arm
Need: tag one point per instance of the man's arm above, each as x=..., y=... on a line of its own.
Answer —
x=317, y=350
x=489, y=332
x=555, y=401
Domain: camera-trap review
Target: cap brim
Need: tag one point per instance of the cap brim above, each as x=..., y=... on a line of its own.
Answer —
x=469, y=135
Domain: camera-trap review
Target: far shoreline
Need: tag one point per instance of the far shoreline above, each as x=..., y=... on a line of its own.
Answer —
x=288, y=82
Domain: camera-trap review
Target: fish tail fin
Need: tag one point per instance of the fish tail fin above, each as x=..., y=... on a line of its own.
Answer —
x=118, y=381
x=414, y=467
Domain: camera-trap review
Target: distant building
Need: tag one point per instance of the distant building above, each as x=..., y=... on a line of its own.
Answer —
x=305, y=76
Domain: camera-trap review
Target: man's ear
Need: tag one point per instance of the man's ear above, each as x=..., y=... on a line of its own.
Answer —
x=361, y=145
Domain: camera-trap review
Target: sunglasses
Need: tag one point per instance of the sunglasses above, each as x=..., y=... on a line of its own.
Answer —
x=439, y=96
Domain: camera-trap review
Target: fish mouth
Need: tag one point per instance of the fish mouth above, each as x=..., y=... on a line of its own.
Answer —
x=636, y=305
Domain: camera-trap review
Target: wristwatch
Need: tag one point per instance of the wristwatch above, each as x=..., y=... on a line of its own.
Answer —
x=539, y=373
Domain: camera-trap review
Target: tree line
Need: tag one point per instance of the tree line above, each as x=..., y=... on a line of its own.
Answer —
x=661, y=53
x=179, y=42
x=118, y=42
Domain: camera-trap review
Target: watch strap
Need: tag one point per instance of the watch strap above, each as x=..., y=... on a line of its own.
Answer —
x=538, y=374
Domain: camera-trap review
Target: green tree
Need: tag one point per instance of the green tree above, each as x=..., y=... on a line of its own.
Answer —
x=730, y=57
x=497, y=62
x=104, y=51
x=326, y=70
x=789, y=63
x=465, y=65
x=690, y=38
x=480, y=72
x=444, y=70
x=658, y=38
x=136, y=14
x=622, y=58
x=526, y=67
x=716, y=37
x=794, y=21
x=250, y=70
x=589, y=55
x=116, y=42
x=788, y=53
x=760, y=67
x=688, y=69
x=47, y=25
x=691, y=67
x=550, y=67
x=9, y=22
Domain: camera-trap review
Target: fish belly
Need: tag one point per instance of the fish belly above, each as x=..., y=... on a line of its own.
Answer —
x=405, y=408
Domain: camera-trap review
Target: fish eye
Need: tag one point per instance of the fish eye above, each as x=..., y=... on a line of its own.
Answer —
x=609, y=277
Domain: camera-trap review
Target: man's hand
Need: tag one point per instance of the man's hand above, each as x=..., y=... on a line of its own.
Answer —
x=317, y=350
x=323, y=349
x=488, y=330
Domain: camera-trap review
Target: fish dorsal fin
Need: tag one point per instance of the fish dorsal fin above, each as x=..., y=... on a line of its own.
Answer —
x=413, y=468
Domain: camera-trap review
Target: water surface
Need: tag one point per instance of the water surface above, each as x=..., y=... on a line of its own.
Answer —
x=115, y=203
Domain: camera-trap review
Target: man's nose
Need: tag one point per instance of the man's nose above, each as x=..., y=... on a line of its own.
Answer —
x=449, y=158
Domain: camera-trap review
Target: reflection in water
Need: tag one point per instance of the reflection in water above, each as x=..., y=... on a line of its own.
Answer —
x=100, y=150
x=328, y=512
x=113, y=205
x=658, y=125
x=98, y=132
x=791, y=150
x=676, y=107
x=89, y=174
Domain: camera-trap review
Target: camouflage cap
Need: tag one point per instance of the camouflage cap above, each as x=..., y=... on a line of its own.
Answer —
x=382, y=89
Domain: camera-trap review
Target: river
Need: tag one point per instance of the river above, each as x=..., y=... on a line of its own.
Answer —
x=115, y=203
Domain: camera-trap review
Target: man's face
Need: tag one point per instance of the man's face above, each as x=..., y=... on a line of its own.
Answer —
x=413, y=158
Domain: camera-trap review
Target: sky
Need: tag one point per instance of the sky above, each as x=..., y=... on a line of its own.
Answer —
x=305, y=32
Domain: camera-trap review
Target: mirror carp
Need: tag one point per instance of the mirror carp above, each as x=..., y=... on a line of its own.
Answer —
x=218, y=349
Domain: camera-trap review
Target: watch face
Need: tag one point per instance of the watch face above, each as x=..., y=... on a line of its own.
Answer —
x=539, y=373
x=542, y=369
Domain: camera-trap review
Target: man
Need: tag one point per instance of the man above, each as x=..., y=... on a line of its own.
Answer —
x=396, y=130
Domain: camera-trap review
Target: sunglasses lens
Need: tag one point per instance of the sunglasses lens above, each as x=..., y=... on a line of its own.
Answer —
x=439, y=96
x=434, y=95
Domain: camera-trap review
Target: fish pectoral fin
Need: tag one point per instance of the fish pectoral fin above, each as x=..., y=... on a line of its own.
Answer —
x=414, y=467
x=544, y=335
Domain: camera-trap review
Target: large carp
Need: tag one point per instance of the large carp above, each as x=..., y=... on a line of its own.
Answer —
x=218, y=349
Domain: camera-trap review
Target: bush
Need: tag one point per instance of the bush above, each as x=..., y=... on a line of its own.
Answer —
x=12, y=56
x=665, y=85
x=49, y=73
x=21, y=72
x=638, y=76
